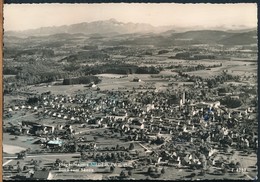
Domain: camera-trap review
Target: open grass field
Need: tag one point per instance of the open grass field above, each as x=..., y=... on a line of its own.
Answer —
x=12, y=145
x=58, y=89
x=236, y=68
x=12, y=149
x=110, y=82
x=110, y=75
x=115, y=82
x=9, y=100
x=21, y=115
x=243, y=70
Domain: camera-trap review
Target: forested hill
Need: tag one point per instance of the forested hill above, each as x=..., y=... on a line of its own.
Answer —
x=193, y=37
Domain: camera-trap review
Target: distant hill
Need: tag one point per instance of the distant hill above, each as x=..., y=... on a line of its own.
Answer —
x=162, y=35
x=106, y=27
x=191, y=38
x=240, y=39
x=112, y=32
x=202, y=36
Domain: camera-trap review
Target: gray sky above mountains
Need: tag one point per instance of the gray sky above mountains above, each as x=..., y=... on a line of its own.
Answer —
x=31, y=16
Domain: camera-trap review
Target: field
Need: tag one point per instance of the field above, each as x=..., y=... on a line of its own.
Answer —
x=57, y=89
x=12, y=149
x=233, y=67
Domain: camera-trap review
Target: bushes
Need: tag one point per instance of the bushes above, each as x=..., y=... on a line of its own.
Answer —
x=231, y=103
x=121, y=69
x=163, y=52
x=147, y=70
x=32, y=100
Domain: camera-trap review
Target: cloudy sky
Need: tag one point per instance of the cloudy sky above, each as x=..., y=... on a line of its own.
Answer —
x=30, y=16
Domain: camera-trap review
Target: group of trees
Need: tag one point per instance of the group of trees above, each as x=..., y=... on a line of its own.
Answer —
x=158, y=141
x=224, y=77
x=125, y=173
x=44, y=71
x=147, y=70
x=21, y=155
x=190, y=56
x=19, y=53
x=30, y=78
x=87, y=54
x=33, y=100
x=155, y=172
x=115, y=68
x=33, y=73
x=39, y=52
x=107, y=156
x=11, y=70
x=230, y=102
x=192, y=68
x=163, y=51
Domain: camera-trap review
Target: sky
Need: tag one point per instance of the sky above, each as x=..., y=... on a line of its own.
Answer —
x=31, y=16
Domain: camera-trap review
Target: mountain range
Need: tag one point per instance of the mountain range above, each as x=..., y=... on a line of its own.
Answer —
x=114, y=27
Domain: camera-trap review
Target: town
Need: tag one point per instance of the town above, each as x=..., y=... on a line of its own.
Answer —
x=185, y=126
x=169, y=106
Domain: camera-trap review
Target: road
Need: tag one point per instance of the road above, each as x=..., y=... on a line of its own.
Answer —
x=249, y=177
x=148, y=150
x=44, y=155
x=65, y=91
x=7, y=162
x=87, y=130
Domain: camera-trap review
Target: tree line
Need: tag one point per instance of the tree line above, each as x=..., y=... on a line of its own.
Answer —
x=81, y=80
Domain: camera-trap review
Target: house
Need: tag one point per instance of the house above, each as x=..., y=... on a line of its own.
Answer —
x=136, y=124
x=121, y=112
x=42, y=175
x=39, y=141
x=54, y=143
x=17, y=130
x=234, y=97
x=68, y=128
x=148, y=107
x=59, y=127
x=37, y=129
x=49, y=128
x=92, y=84
x=25, y=130
x=136, y=80
x=216, y=104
